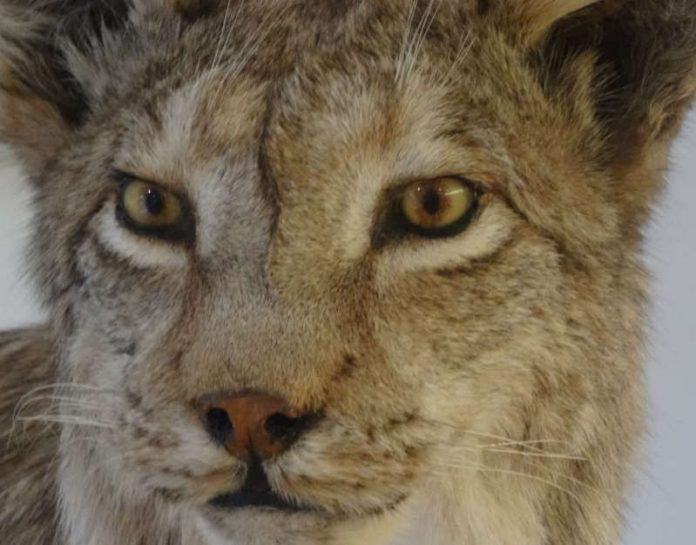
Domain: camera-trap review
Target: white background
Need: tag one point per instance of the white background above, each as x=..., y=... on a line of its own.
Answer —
x=663, y=509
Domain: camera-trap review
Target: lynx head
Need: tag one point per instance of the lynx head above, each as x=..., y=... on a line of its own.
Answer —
x=349, y=270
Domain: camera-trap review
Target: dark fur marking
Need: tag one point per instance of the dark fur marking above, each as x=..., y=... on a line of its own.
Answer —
x=177, y=361
x=406, y=418
x=371, y=434
x=388, y=508
x=412, y=452
x=483, y=7
x=348, y=368
x=131, y=349
x=185, y=473
x=193, y=10
x=172, y=496
x=75, y=241
x=269, y=184
x=124, y=348
x=162, y=443
x=133, y=398
x=138, y=432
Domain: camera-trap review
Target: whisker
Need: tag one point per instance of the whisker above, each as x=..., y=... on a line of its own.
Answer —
x=535, y=460
x=68, y=396
x=487, y=448
x=416, y=43
x=57, y=400
x=463, y=52
x=561, y=475
x=61, y=387
x=223, y=39
x=68, y=420
x=495, y=471
x=252, y=44
x=406, y=41
x=495, y=437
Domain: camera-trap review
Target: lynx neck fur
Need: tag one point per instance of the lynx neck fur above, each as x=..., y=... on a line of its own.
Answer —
x=341, y=272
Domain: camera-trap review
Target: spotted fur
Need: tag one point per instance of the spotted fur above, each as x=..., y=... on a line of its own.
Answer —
x=482, y=389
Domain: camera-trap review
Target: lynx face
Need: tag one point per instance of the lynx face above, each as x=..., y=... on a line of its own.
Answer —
x=349, y=271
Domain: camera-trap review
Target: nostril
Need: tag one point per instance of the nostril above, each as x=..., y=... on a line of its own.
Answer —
x=252, y=424
x=287, y=429
x=279, y=425
x=218, y=425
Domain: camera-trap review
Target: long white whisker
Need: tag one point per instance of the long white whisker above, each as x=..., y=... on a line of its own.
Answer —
x=222, y=39
x=510, y=472
x=462, y=54
x=61, y=419
x=495, y=437
x=405, y=44
x=61, y=387
x=487, y=448
x=418, y=39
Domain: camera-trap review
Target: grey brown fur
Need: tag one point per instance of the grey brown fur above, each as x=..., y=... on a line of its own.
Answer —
x=484, y=389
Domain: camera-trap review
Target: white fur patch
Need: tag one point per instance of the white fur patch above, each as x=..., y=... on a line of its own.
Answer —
x=139, y=250
x=166, y=151
x=481, y=239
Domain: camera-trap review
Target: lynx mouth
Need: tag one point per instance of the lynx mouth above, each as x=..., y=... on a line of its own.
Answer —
x=256, y=492
x=267, y=500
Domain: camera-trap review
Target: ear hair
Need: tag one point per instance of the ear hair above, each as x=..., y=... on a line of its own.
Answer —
x=538, y=16
x=33, y=34
x=195, y=9
x=641, y=82
x=40, y=99
x=527, y=22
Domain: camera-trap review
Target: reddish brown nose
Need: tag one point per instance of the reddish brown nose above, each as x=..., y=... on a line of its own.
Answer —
x=253, y=424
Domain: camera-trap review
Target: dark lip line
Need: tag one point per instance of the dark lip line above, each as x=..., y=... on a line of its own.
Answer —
x=267, y=500
x=271, y=502
x=256, y=492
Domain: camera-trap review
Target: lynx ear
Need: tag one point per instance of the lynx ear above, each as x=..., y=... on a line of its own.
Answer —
x=41, y=100
x=629, y=64
x=531, y=20
x=644, y=82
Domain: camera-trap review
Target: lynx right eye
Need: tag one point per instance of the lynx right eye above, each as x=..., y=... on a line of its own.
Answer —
x=150, y=210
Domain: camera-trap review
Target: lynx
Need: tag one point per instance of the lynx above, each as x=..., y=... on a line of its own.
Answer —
x=340, y=272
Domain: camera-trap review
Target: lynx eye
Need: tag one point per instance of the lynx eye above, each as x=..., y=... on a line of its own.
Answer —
x=438, y=207
x=151, y=210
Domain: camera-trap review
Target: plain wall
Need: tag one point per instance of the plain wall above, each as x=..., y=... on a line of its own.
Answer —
x=663, y=507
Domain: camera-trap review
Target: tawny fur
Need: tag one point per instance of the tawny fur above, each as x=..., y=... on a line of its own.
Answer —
x=481, y=389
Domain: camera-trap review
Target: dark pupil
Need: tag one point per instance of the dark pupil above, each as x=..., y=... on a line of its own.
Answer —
x=154, y=203
x=431, y=201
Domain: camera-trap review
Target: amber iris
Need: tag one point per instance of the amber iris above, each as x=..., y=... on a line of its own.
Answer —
x=149, y=206
x=438, y=204
x=147, y=209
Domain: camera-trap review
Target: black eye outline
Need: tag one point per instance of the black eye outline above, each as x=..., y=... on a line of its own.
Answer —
x=183, y=231
x=393, y=225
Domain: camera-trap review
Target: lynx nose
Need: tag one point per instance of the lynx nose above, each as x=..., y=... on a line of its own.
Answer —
x=252, y=425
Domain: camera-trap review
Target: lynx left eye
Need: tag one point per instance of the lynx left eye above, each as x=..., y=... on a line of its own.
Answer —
x=150, y=210
x=438, y=207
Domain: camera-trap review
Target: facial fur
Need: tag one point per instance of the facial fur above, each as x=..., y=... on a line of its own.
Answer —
x=481, y=388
